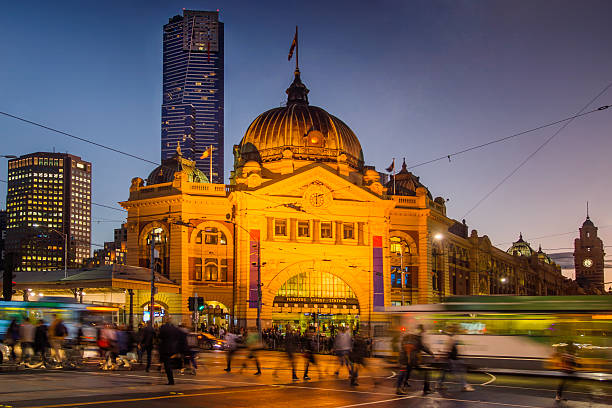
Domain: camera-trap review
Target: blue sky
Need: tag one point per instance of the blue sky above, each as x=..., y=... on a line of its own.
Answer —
x=413, y=79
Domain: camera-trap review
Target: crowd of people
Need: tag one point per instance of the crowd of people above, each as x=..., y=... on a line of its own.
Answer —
x=36, y=339
x=176, y=347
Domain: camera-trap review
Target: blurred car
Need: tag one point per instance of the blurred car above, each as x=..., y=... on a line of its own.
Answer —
x=207, y=341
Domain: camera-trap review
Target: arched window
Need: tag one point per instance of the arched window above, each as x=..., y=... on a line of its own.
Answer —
x=316, y=284
x=211, y=236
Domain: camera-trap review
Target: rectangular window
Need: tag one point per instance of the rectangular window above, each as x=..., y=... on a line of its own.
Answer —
x=326, y=230
x=198, y=270
x=303, y=228
x=211, y=272
x=211, y=238
x=349, y=230
x=280, y=227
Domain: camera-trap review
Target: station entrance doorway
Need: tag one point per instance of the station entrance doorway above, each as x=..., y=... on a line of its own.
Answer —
x=318, y=300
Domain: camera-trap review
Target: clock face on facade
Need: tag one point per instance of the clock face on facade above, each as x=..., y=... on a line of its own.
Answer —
x=317, y=196
x=587, y=262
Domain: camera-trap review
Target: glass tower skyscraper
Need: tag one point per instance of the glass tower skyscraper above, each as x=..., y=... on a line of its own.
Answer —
x=193, y=106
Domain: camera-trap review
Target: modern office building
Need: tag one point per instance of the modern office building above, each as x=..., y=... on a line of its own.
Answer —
x=192, y=107
x=48, y=205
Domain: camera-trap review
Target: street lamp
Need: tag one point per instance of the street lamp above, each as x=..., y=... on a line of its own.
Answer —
x=65, y=236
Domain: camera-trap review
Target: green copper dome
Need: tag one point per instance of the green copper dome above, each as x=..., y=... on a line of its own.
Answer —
x=165, y=172
x=520, y=248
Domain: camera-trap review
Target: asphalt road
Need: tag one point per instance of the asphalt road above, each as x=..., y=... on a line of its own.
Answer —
x=212, y=387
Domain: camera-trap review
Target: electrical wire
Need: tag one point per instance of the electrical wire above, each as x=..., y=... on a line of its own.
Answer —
x=539, y=148
x=469, y=149
x=108, y=206
x=82, y=139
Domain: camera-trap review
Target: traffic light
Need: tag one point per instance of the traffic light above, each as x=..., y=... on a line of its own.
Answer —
x=200, y=302
x=10, y=262
x=191, y=303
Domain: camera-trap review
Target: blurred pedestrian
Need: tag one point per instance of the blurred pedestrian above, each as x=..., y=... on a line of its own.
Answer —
x=169, y=351
x=12, y=337
x=41, y=340
x=57, y=335
x=231, y=341
x=309, y=348
x=291, y=346
x=342, y=346
x=415, y=347
x=357, y=357
x=26, y=333
x=454, y=364
x=254, y=344
x=568, y=367
x=146, y=339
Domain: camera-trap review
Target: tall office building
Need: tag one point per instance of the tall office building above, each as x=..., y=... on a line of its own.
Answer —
x=48, y=204
x=192, y=108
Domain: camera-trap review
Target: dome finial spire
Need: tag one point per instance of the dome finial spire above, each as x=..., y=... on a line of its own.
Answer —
x=297, y=91
x=588, y=211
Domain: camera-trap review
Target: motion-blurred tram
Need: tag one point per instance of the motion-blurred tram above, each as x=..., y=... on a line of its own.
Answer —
x=513, y=332
x=72, y=313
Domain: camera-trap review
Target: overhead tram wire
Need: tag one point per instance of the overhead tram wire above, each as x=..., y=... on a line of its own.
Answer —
x=549, y=235
x=469, y=149
x=540, y=148
x=82, y=139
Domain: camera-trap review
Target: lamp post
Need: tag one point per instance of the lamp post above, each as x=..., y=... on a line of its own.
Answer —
x=440, y=237
x=65, y=236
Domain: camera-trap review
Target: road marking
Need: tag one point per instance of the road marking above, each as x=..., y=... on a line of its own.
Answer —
x=393, y=374
x=335, y=389
x=76, y=404
x=504, y=404
x=376, y=402
x=493, y=378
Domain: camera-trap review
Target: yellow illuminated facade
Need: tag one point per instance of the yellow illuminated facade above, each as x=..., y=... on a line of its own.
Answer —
x=304, y=215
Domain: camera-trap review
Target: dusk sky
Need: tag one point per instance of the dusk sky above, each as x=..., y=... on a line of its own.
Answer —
x=413, y=79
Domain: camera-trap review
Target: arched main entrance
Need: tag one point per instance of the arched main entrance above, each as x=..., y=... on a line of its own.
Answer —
x=315, y=298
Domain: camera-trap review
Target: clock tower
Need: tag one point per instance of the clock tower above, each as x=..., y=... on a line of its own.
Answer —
x=589, y=256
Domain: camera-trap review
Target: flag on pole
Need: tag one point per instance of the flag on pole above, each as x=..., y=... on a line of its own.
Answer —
x=293, y=45
x=206, y=153
x=391, y=168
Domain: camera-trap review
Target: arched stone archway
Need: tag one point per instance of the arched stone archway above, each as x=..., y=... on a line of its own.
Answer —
x=321, y=288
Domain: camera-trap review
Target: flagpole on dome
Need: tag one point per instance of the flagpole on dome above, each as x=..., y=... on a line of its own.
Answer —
x=294, y=46
x=211, y=157
x=391, y=169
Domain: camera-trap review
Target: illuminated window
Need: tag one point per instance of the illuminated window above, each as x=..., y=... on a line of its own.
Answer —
x=349, y=230
x=316, y=284
x=198, y=270
x=211, y=271
x=395, y=245
x=303, y=228
x=280, y=227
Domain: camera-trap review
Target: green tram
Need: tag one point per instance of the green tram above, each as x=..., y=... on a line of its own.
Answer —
x=516, y=332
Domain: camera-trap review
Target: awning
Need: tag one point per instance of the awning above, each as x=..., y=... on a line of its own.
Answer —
x=106, y=276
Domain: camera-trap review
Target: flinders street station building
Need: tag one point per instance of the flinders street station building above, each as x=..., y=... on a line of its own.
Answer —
x=307, y=233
